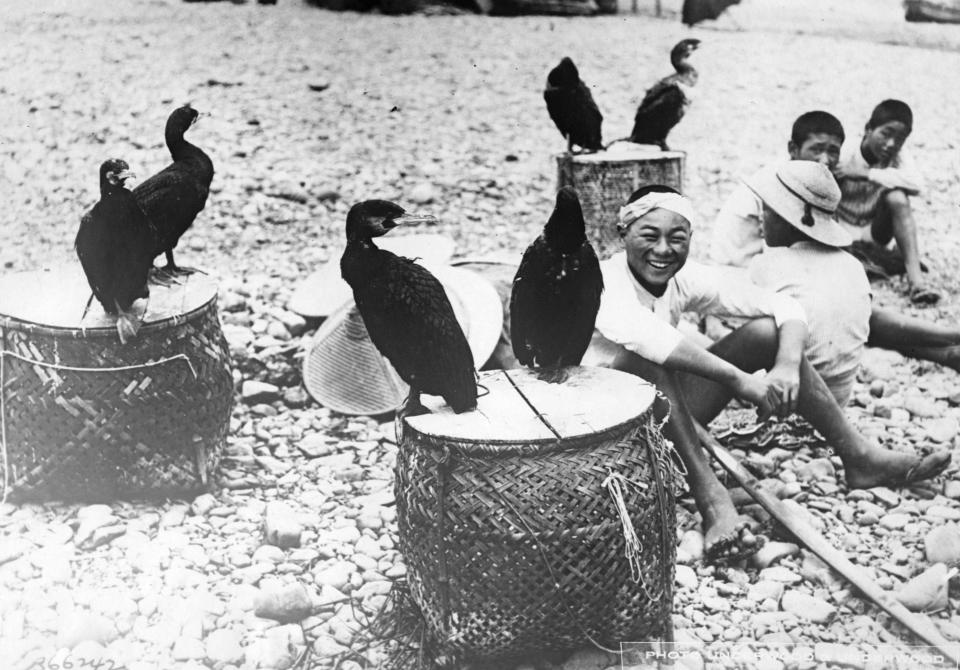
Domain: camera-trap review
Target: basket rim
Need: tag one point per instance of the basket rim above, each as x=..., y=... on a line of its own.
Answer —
x=24, y=325
x=491, y=447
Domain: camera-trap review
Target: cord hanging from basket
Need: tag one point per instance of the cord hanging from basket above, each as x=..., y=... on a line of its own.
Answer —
x=56, y=366
x=614, y=484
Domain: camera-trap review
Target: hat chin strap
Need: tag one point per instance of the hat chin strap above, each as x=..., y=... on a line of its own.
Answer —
x=808, y=207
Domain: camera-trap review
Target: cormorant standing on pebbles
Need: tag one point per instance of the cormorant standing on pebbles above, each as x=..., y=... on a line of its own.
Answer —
x=556, y=293
x=666, y=102
x=406, y=311
x=572, y=108
x=115, y=245
x=173, y=197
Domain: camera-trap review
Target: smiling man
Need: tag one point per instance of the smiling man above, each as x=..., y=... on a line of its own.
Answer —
x=648, y=286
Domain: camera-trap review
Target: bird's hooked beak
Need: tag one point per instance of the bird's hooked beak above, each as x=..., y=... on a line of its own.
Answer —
x=124, y=175
x=409, y=220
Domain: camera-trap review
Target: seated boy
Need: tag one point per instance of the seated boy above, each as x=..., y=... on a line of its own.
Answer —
x=876, y=182
x=804, y=259
x=647, y=287
x=738, y=236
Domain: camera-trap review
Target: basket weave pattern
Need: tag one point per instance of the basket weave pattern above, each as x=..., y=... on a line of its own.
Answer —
x=604, y=187
x=489, y=532
x=95, y=434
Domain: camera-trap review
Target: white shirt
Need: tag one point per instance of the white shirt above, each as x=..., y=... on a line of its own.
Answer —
x=833, y=290
x=647, y=325
x=738, y=229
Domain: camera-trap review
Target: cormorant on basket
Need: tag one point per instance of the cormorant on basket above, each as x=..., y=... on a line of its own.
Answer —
x=173, y=197
x=666, y=102
x=572, y=108
x=556, y=293
x=406, y=311
x=115, y=245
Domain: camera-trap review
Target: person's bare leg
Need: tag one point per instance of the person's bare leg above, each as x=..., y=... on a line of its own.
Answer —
x=896, y=220
x=915, y=337
x=866, y=464
x=727, y=534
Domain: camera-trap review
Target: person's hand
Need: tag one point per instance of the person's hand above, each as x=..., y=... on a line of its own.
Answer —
x=757, y=391
x=784, y=386
x=842, y=171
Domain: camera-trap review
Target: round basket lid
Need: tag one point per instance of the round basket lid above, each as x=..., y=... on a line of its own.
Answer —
x=323, y=292
x=589, y=401
x=344, y=371
x=59, y=298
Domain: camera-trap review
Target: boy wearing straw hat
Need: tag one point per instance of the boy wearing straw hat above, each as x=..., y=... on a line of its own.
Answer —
x=651, y=283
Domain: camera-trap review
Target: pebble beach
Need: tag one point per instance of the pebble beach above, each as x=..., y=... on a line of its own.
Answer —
x=284, y=563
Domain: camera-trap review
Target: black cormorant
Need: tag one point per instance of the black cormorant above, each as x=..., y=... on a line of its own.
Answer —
x=556, y=293
x=173, y=197
x=666, y=102
x=406, y=311
x=572, y=107
x=115, y=246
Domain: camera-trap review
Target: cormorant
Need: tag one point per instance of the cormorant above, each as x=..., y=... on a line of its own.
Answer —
x=173, y=197
x=115, y=245
x=572, y=108
x=556, y=293
x=666, y=102
x=406, y=311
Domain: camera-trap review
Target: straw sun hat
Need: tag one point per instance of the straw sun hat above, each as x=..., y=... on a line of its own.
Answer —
x=805, y=195
x=344, y=371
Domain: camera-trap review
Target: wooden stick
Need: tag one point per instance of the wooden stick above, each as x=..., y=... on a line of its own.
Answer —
x=920, y=626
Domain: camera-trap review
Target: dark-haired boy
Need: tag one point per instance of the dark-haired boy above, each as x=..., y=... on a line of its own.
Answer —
x=876, y=182
x=738, y=231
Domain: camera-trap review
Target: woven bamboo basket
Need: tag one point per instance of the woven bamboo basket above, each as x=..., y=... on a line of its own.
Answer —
x=88, y=418
x=542, y=521
x=605, y=180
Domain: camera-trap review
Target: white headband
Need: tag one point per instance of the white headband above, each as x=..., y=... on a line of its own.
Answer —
x=673, y=202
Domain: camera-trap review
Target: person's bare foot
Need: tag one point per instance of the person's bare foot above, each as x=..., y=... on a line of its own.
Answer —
x=884, y=467
x=727, y=534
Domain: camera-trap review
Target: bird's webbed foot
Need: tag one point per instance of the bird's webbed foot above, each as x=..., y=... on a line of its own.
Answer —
x=162, y=277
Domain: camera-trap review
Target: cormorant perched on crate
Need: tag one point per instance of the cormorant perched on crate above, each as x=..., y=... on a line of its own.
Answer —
x=556, y=293
x=406, y=311
x=173, y=197
x=572, y=108
x=115, y=245
x=666, y=101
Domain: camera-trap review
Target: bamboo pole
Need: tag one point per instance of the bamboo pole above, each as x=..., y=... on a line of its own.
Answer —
x=815, y=542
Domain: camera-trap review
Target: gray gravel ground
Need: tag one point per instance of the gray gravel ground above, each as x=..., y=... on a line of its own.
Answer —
x=430, y=106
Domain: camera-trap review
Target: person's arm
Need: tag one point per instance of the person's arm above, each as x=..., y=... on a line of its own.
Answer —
x=687, y=356
x=784, y=376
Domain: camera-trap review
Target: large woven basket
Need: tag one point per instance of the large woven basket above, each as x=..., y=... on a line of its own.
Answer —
x=87, y=418
x=605, y=180
x=512, y=536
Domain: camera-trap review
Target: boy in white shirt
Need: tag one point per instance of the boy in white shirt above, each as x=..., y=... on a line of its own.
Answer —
x=648, y=286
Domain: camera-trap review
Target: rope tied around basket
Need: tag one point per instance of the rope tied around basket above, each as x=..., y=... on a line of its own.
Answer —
x=4, y=353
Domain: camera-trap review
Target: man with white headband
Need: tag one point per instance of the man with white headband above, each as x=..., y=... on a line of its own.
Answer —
x=648, y=286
